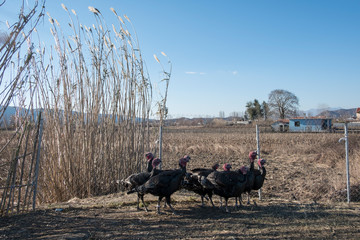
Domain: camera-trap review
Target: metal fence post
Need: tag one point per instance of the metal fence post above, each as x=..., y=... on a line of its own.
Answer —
x=347, y=163
x=258, y=152
x=345, y=138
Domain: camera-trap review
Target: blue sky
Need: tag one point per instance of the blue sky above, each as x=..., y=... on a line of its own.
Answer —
x=226, y=53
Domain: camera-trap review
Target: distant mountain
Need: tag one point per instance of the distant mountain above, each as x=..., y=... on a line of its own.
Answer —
x=9, y=112
x=339, y=113
x=187, y=121
x=318, y=111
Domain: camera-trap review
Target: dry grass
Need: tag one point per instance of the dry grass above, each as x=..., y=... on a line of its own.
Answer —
x=303, y=195
x=300, y=166
x=303, y=167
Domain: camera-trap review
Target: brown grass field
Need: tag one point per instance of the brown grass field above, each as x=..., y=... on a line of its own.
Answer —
x=304, y=196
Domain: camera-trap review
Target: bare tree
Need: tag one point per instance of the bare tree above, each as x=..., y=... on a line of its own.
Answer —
x=283, y=103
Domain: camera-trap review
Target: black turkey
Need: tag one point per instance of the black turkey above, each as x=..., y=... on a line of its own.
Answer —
x=260, y=175
x=138, y=179
x=150, y=157
x=226, y=167
x=226, y=184
x=250, y=176
x=213, y=168
x=164, y=184
x=192, y=182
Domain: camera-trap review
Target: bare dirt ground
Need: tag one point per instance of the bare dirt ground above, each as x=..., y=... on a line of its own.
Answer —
x=115, y=217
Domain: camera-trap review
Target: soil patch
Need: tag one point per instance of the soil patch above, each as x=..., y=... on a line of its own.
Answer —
x=115, y=217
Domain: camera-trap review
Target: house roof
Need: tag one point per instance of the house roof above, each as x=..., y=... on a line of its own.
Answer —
x=358, y=110
x=319, y=117
x=282, y=121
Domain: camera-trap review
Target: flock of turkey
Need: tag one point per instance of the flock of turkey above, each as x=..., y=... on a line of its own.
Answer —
x=205, y=182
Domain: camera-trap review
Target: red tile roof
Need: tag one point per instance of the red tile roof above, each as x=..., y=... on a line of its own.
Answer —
x=283, y=120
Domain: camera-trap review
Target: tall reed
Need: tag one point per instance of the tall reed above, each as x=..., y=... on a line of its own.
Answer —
x=14, y=63
x=96, y=97
x=17, y=87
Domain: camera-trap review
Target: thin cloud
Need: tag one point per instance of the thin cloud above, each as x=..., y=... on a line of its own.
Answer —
x=234, y=72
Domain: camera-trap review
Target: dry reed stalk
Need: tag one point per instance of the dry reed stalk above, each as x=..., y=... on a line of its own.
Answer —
x=96, y=106
x=18, y=88
x=10, y=50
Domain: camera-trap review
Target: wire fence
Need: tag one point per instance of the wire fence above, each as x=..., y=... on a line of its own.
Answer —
x=340, y=181
x=301, y=165
x=19, y=190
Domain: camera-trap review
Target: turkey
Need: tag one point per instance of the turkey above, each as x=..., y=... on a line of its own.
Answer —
x=245, y=171
x=226, y=167
x=138, y=179
x=213, y=168
x=226, y=184
x=150, y=157
x=193, y=184
x=259, y=175
x=250, y=176
x=164, y=184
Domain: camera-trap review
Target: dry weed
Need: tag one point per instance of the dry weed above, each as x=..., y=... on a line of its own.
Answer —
x=301, y=166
